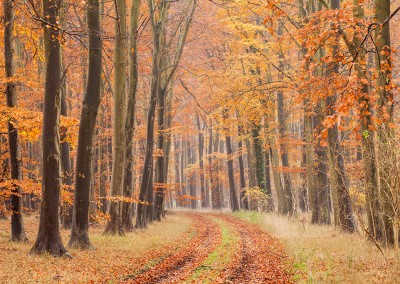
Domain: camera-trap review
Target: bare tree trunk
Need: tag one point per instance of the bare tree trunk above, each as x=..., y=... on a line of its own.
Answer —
x=90, y=107
x=127, y=207
x=114, y=225
x=385, y=108
x=49, y=238
x=157, y=24
x=204, y=198
x=232, y=189
x=288, y=193
x=244, y=201
x=17, y=221
x=211, y=172
x=103, y=165
x=217, y=189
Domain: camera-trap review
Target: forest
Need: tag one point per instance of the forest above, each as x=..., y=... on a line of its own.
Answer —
x=199, y=141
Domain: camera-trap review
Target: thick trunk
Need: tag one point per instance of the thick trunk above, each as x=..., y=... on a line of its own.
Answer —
x=49, y=238
x=90, y=106
x=17, y=222
x=127, y=207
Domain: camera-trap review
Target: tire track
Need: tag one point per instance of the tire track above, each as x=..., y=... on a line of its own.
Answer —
x=260, y=258
x=180, y=265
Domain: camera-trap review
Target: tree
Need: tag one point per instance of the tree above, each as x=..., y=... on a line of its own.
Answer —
x=385, y=111
x=114, y=226
x=90, y=106
x=17, y=222
x=229, y=152
x=49, y=238
x=127, y=207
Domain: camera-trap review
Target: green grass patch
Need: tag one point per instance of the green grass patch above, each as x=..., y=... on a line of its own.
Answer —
x=219, y=258
x=249, y=216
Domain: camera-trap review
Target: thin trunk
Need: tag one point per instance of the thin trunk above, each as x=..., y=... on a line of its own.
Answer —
x=339, y=184
x=90, y=107
x=231, y=176
x=146, y=184
x=244, y=201
x=114, y=225
x=375, y=225
x=127, y=207
x=385, y=109
x=204, y=198
x=288, y=193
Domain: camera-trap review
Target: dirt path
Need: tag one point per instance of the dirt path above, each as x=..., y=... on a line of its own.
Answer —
x=257, y=257
x=261, y=258
x=181, y=264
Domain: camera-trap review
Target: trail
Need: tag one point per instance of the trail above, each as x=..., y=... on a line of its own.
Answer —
x=257, y=257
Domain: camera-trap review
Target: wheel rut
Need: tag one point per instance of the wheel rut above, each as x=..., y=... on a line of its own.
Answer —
x=260, y=258
x=179, y=265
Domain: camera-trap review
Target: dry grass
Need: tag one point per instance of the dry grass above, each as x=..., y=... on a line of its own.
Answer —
x=112, y=257
x=324, y=255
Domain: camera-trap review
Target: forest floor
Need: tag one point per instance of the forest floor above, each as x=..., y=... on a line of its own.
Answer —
x=187, y=247
x=322, y=254
x=208, y=247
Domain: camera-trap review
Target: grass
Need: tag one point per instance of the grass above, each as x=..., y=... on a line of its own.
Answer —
x=219, y=258
x=113, y=257
x=322, y=254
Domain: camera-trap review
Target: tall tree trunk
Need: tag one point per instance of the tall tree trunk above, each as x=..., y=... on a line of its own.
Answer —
x=385, y=109
x=160, y=160
x=17, y=222
x=339, y=184
x=211, y=171
x=375, y=225
x=178, y=182
x=244, y=201
x=217, y=188
x=127, y=207
x=114, y=225
x=231, y=176
x=288, y=193
x=103, y=160
x=65, y=147
x=274, y=156
x=90, y=107
x=49, y=238
x=157, y=25
x=204, y=199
